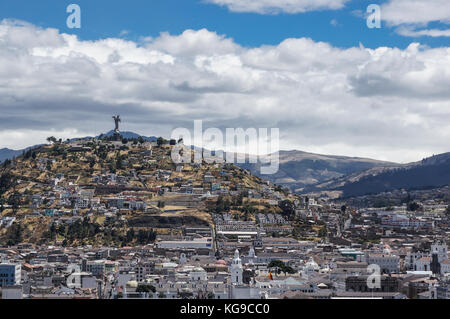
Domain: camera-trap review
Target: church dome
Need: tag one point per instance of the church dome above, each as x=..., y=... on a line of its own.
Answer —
x=312, y=265
x=221, y=262
x=198, y=269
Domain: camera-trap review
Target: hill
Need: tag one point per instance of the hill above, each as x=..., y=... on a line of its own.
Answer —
x=301, y=169
x=432, y=172
x=95, y=191
x=6, y=153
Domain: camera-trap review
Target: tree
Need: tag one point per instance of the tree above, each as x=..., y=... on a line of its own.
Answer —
x=14, y=201
x=276, y=264
x=281, y=267
x=323, y=232
x=185, y=294
x=146, y=236
x=145, y=288
x=413, y=206
x=6, y=163
x=52, y=232
x=287, y=207
x=161, y=141
x=14, y=234
x=7, y=181
x=119, y=162
x=161, y=295
x=119, y=295
x=92, y=162
x=51, y=139
x=112, y=166
x=130, y=235
x=447, y=211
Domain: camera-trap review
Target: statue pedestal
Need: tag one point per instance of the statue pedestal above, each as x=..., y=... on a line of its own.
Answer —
x=117, y=136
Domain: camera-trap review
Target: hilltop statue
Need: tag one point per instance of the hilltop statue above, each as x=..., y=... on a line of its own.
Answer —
x=117, y=120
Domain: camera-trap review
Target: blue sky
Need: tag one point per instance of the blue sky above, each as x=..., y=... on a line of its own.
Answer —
x=142, y=18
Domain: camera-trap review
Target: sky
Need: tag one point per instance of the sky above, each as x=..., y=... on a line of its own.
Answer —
x=312, y=68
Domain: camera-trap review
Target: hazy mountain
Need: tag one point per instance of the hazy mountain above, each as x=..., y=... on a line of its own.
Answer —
x=300, y=169
x=432, y=172
x=131, y=135
x=6, y=153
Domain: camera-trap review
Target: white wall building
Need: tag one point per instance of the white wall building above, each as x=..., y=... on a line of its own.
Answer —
x=236, y=269
x=387, y=263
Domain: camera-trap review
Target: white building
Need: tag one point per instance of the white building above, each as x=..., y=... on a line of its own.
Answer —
x=10, y=274
x=422, y=264
x=198, y=274
x=95, y=267
x=12, y=292
x=387, y=263
x=185, y=244
x=440, y=249
x=236, y=269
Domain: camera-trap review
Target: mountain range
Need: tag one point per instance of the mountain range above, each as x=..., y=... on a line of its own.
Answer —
x=6, y=153
x=312, y=174
x=299, y=170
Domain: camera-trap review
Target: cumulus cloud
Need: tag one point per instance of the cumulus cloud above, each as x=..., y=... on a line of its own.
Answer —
x=412, y=32
x=385, y=103
x=398, y=12
x=280, y=6
x=413, y=16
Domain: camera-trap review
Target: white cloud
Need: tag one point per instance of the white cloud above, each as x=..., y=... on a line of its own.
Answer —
x=280, y=6
x=19, y=139
x=411, y=32
x=412, y=16
x=385, y=103
x=398, y=12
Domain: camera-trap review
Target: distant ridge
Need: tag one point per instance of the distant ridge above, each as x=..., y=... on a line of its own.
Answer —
x=301, y=169
x=432, y=172
x=131, y=135
x=6, y=153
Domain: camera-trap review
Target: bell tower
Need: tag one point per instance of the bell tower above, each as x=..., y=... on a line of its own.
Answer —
x=236, y=269
x=439, y=248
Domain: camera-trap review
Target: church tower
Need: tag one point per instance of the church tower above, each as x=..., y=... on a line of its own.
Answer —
x=236, y=269
x=439, y=249
x=251, y=255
